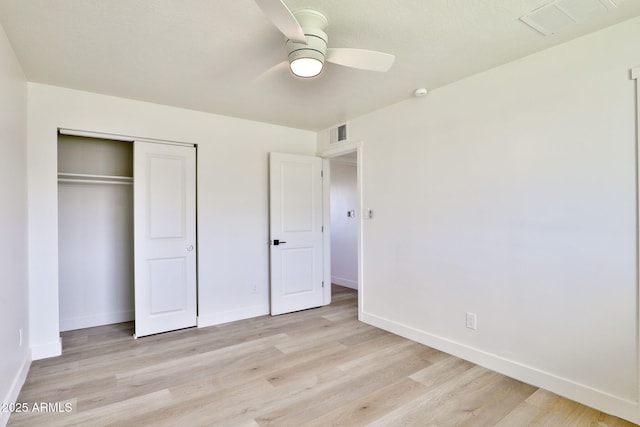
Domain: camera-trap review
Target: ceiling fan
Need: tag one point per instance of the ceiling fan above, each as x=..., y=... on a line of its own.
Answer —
x=307, y=42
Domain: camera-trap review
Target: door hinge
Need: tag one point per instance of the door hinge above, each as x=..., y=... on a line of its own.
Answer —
x=321, y=174
x=323, y=283
x=322, y=228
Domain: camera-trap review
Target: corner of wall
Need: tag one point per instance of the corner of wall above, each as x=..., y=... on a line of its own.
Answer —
x=322, y=140
x=16, y=386
x=15, y=359
x=44, y=351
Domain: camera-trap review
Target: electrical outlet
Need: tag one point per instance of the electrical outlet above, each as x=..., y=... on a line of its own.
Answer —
x=472, y=321
x=20, y=337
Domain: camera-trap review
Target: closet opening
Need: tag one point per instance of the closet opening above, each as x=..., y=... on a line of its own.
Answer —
x=95, y=232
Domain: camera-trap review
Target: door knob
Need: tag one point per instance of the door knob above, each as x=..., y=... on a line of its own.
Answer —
x=190, y=248
x=277, y=242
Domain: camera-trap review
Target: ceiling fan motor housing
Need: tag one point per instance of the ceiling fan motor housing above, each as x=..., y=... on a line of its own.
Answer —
x=315, y=48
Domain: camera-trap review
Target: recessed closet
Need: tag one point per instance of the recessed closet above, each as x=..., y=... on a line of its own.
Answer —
x=95, y=231
x=126, y=233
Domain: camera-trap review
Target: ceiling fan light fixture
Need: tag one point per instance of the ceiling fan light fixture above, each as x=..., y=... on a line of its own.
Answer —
x=306, y=67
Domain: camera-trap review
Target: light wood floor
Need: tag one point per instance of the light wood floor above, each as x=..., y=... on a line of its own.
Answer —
x=318, y=367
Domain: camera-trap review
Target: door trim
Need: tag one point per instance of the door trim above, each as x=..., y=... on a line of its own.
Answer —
x=118, y=137
x=327, y=155
x=635, y=75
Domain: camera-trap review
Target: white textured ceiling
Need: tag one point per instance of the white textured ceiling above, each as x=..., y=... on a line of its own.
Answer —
x=211, y=55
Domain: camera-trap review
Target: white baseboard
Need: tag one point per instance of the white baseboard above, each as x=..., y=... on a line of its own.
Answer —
x=205, y=320
x=347, y=283
x=70, y=324
x=44, y=351
x=598, y=399
x=16, y=386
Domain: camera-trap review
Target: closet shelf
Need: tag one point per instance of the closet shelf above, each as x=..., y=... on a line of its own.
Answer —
x=82, y=178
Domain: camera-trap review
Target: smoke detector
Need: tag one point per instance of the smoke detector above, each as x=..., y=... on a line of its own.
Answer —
x=420, y=92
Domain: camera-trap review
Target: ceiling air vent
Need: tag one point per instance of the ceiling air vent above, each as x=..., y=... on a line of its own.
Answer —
x=338, y=134
x=555, y=16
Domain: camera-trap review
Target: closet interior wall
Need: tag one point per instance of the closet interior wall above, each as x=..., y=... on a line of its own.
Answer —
x=95, y=231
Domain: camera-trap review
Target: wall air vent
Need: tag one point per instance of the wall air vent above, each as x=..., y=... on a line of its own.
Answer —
x=338, y=134
x=559, y=14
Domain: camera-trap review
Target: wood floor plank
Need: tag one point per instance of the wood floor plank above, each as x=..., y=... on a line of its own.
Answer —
x=371, y=406
x=441, y=371
x=544, y=408
x=319, y=367
x=349, y=387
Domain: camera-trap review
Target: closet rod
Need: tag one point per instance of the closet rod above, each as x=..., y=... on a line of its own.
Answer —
x=94, y=176
x=93, y=181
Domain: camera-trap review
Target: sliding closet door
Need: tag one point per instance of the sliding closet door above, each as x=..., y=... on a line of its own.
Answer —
x=165, y=237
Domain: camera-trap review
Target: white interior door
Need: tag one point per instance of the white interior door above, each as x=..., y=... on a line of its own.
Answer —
x=164, y=194
x=295, y=232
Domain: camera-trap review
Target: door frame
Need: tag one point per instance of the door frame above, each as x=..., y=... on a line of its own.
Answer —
x=635, y=76
x=327, y=155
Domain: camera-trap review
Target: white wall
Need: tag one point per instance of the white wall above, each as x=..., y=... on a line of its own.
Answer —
x=14, y=359
x=511, y=194
x=232, y=197
x=95, y=252
x=344, y=229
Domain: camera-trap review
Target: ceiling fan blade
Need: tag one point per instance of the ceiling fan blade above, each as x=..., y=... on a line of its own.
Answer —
x=280, y=16
x=360, y=58
x=272, y=72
